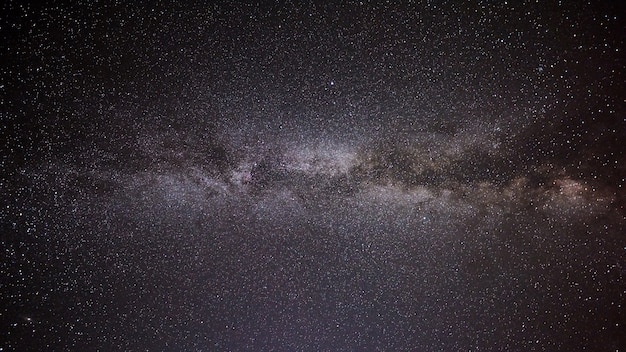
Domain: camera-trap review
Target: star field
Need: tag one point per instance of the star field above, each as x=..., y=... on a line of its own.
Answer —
x=311, y=176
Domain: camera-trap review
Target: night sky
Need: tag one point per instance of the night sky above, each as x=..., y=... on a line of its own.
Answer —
x=313, y=176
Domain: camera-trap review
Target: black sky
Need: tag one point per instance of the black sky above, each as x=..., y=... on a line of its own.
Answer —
x=306, y=176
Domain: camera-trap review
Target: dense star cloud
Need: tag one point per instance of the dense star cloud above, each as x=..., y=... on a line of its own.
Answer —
x=352, y=176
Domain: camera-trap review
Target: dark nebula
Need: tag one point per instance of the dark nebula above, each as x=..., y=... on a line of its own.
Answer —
x=313, y=176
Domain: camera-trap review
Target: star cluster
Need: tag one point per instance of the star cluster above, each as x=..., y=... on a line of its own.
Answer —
x=313, y=176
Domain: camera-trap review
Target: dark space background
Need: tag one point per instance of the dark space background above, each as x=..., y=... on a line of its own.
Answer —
x=305, y=176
